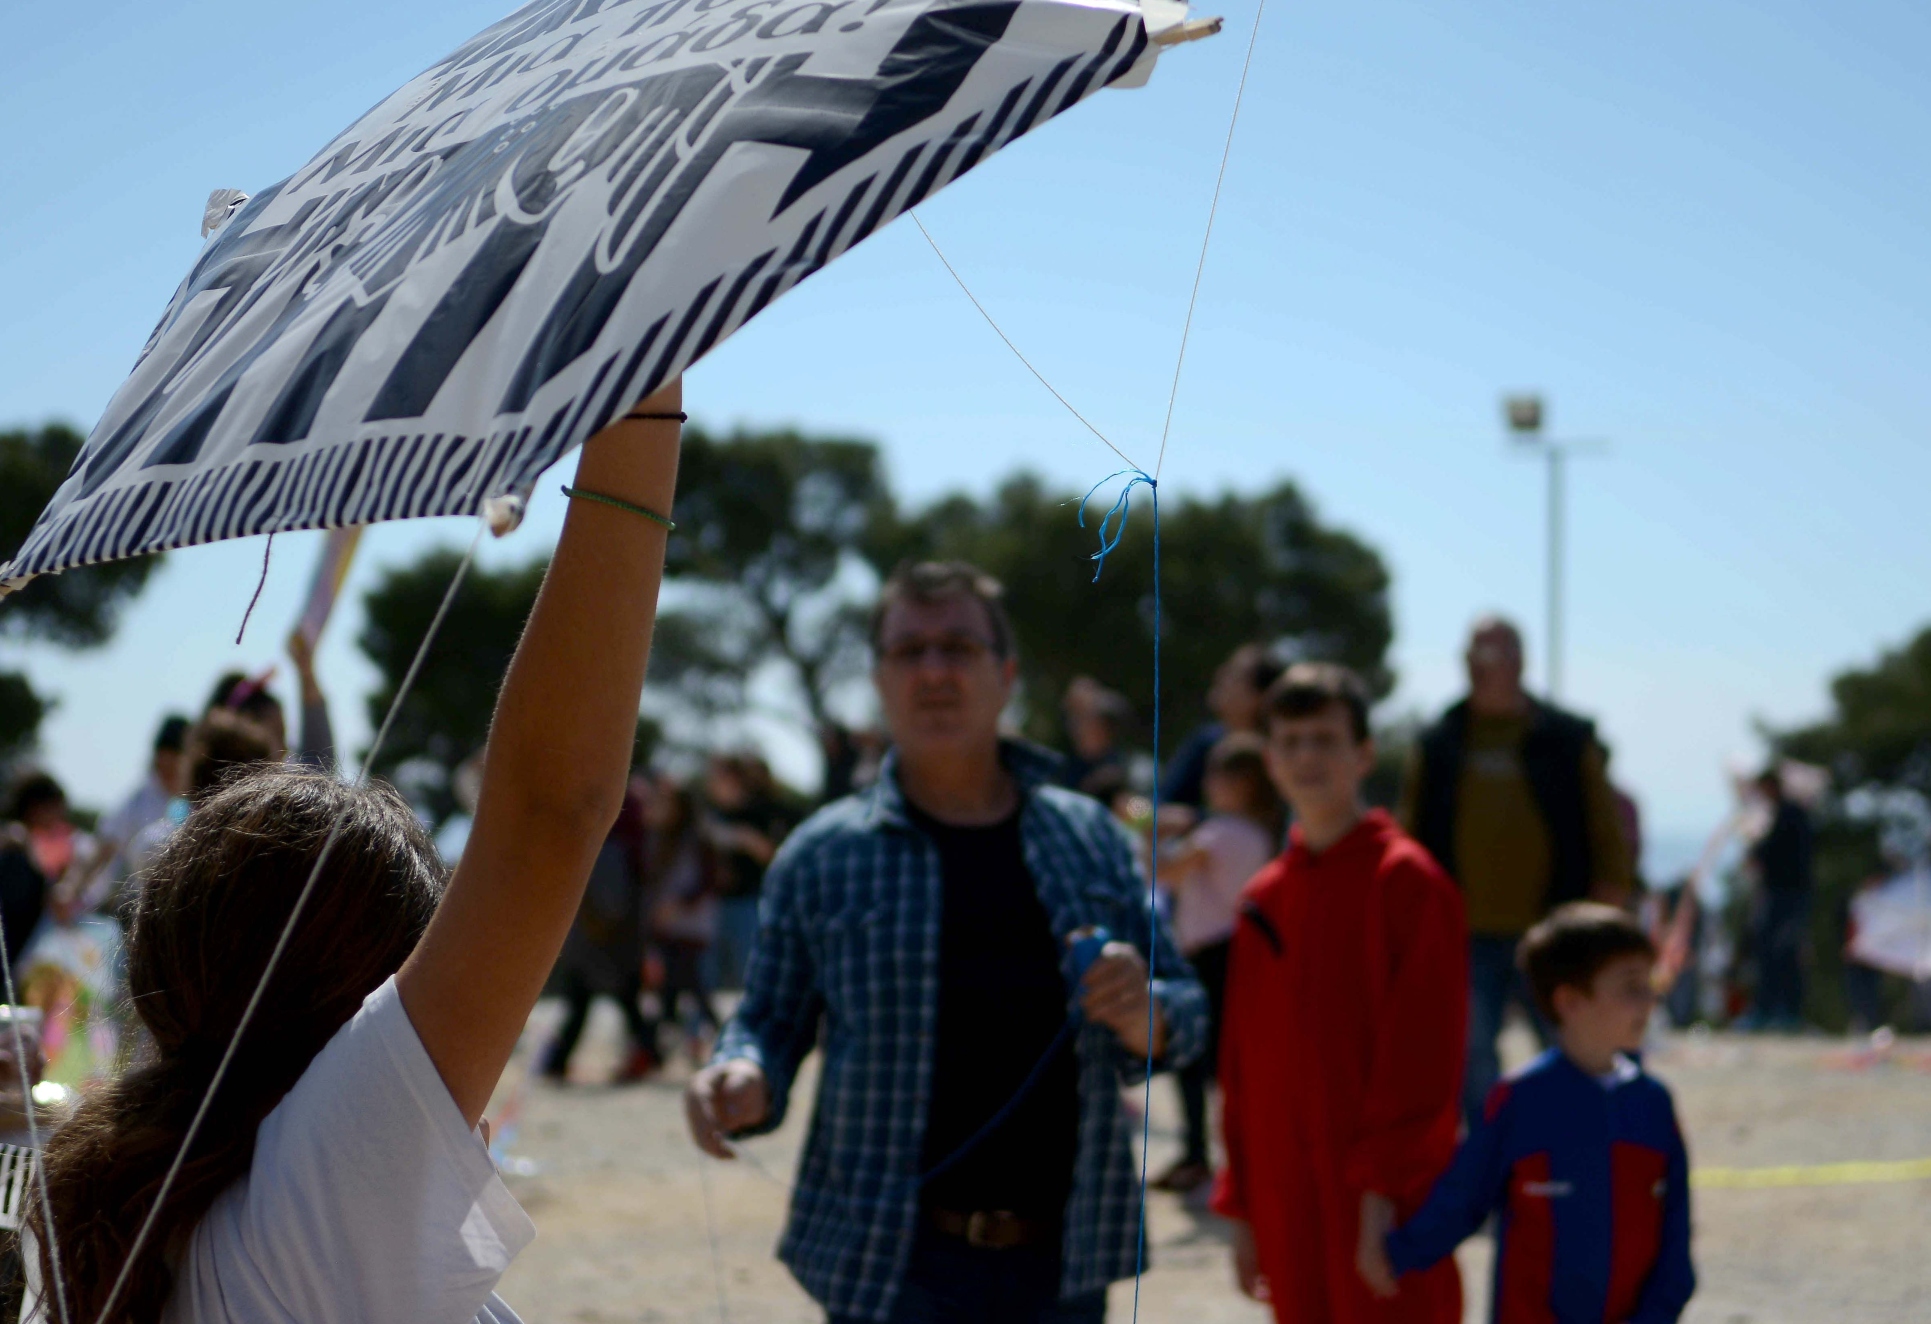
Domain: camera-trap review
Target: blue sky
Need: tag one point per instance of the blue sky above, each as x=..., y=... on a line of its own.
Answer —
x=1698, y=229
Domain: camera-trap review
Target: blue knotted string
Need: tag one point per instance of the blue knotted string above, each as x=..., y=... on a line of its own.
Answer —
x=1110, y=535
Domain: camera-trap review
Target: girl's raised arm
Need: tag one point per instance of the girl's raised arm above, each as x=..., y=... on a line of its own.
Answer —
x=553, y=775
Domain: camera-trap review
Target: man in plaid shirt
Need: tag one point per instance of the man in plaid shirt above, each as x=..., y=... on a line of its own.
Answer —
x=969, y=1157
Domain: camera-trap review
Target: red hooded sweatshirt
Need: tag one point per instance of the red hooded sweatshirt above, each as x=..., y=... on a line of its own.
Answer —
x=1341, y=1065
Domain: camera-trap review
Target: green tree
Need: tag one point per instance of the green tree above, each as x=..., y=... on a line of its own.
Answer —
x=767, y=525
x=77, y=609
x=445, y=717
x=1877, y=744
x=1233, y=569
x=1879, y=732
x=771, y=527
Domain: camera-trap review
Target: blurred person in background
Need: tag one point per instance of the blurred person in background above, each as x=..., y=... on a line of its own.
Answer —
x=684, y=873
x=250, y=697
x=39, y=806
x=1340, y=1066
x=1863, y=982
x=1675, y=922
x=221, y=745
x=840, y=752
x=166, y=780
x=216, y=746
x=603, y=956
x=1205, y=873
x=1235, y=700
x=67, y=966
x=466, y=783
x=1781, y=861
x=745, y=822
x=23, y=891
x=1096, y=719
x=98, y=883
x=1512, y=796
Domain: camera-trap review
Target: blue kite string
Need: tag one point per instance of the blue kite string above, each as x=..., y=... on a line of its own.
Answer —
x=1121, y=507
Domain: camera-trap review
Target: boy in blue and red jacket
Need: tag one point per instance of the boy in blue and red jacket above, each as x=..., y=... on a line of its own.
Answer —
x=1579, y=1153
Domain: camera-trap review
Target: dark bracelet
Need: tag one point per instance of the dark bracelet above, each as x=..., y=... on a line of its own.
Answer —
x=680, y=416
x=577, y=493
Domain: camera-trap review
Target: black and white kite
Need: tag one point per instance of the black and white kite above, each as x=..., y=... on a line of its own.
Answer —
x=533, y=234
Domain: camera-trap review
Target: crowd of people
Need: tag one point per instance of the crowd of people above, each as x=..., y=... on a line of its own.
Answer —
x=961, y=928
x=671, y=909
x=970, y=1156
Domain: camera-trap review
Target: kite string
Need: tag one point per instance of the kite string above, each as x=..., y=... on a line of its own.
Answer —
x=33, y=1124
x=1200, y=267
x=288, y=931
x=1037, y=374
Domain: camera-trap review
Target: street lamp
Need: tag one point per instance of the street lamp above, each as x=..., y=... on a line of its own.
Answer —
x=1523, y=414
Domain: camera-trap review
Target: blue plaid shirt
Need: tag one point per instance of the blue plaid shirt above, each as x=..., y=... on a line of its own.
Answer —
x=849, y=931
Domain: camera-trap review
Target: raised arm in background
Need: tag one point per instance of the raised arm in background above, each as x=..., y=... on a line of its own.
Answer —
x=553, y=775
x=315, y=741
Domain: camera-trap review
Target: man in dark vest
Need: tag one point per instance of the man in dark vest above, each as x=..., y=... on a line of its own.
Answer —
x=1512, y=796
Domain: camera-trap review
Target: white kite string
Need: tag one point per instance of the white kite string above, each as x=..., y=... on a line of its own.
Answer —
x=966, y=290
x=1213, y=209
x=33, y=1123
x=288, y=931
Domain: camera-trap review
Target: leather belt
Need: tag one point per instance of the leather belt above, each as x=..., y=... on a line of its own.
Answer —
x=994, y=1229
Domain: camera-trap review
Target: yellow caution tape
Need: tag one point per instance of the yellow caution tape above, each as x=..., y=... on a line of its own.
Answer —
x=1813, y=1174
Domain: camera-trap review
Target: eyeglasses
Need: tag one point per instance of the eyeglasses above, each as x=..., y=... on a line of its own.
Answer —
x=954, y=652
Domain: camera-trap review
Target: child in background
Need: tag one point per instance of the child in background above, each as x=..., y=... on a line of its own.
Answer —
x=39, y=805
x=1347, y=1006
x=683, y=887
x=1579, y=1154
x=1205, y=872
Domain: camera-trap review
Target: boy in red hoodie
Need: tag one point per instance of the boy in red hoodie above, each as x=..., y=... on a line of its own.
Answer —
x=1346, y=1014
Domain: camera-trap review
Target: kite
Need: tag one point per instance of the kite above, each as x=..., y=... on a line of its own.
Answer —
x=536, y=232
x=1891, y=925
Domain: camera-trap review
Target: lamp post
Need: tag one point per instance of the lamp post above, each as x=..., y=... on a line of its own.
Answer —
x=1524, y=415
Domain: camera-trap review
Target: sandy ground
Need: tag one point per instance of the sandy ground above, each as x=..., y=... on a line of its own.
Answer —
x=633, y=1225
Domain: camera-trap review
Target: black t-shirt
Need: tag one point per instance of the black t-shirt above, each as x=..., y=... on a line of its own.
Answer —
x=1002, y=1000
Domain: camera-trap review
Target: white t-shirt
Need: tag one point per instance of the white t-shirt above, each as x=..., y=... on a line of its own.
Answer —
x=368, y=1200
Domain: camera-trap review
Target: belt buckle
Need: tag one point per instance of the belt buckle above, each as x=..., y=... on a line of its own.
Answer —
x=975, y=1230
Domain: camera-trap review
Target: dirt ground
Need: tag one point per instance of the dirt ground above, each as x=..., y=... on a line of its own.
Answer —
x=634, y=1225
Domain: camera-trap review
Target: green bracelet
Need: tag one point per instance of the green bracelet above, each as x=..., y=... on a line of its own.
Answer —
x=620, y=504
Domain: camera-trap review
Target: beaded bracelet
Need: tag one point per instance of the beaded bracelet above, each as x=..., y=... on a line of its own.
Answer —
x=620, y=504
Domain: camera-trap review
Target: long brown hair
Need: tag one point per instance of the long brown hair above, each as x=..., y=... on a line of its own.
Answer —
x=208, y=913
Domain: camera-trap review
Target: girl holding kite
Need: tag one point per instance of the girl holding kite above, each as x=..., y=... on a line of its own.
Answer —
x=339, y=1173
